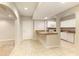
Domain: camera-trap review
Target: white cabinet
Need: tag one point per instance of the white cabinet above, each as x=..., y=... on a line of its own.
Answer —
x=63, y=35
x=52, y=41
x=68, y=36
x=49, y=41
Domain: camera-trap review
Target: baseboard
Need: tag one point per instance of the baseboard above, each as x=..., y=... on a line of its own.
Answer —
x=27, y=39
x=7, y=40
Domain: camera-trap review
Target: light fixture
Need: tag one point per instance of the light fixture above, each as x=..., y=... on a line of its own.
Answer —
x=25, y=8
x=45, y=18
x=62, y=2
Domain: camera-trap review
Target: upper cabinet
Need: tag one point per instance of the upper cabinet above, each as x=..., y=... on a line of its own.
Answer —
x=51, y=24
x=68, y=23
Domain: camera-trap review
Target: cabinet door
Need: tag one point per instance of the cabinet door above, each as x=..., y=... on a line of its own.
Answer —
x=70, y=37
x=52, y=40
x=64, y=35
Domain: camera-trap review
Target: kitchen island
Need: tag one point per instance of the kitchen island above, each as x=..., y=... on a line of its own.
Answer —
x=48, y=39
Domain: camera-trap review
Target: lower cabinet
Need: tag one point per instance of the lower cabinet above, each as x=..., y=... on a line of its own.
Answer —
x=49, y=41
x=70, y=37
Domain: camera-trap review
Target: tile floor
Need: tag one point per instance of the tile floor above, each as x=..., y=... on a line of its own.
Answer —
x=6, y=47
x=34, y=48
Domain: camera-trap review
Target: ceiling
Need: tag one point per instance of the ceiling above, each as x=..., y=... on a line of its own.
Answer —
x=6, y=12
x=43, y=9
x=30, y=5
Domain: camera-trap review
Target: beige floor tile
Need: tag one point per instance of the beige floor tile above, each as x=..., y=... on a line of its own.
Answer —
x=35, y=48
x=6, y=47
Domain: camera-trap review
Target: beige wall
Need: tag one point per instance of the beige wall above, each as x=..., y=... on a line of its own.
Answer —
x=18, y=35
x=7, y=29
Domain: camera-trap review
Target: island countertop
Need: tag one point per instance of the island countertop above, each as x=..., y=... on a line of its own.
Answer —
x=45, y=32
x=48, y=39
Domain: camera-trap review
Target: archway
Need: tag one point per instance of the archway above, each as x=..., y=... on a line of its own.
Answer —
x=7, y=30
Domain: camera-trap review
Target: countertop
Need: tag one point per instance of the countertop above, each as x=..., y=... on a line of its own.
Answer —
x=45, y=32
x=65, y=29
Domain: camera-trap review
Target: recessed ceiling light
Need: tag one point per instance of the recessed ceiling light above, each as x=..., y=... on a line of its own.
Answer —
x=62, y=2
x=45, y=18
x=25, y=8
